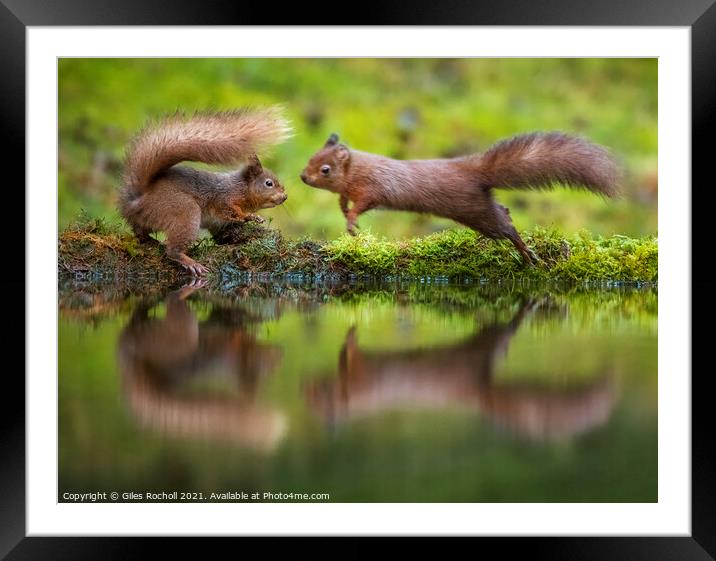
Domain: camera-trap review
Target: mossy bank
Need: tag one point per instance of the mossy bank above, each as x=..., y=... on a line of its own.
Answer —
x=94, y=247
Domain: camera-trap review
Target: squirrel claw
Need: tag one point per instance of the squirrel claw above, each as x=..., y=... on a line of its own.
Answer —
x=196, y=269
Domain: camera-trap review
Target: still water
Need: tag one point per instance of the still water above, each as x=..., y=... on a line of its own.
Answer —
x=392, y=392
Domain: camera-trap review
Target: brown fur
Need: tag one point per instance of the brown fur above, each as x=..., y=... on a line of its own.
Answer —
x=158, y=196
x=461, y=188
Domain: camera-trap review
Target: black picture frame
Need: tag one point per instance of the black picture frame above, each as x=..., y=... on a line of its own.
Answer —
x=699, y=15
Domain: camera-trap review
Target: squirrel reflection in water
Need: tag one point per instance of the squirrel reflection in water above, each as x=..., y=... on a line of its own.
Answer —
x=161, y=358
x=462, y=375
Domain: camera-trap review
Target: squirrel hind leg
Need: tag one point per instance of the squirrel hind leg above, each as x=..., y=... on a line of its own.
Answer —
x=194, y=267
x=498, y=225
x=179, y=237
x=507, y=230
x=528, y=255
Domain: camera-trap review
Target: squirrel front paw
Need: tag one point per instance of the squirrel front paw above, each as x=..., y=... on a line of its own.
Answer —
x=254, y=218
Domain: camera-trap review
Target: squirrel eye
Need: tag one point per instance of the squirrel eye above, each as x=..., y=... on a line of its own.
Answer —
x=268, y=183
x=325, y=170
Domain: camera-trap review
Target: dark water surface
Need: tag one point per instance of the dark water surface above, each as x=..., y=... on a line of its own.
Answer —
x=395, y=392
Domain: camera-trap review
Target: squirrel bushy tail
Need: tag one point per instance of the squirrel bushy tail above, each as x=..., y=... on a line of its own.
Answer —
x=539, y=160
x=213, y=138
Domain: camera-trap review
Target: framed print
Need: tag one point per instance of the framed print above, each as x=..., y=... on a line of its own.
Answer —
x=407, y=283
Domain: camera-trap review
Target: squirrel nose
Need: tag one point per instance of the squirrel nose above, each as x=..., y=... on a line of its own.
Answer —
x=303, y=177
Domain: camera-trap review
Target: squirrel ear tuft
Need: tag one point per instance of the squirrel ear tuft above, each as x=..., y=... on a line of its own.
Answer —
x=332, y=140
x=253, y=168
x=254, y=161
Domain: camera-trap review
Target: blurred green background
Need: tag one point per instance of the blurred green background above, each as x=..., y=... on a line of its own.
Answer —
x=404, y=108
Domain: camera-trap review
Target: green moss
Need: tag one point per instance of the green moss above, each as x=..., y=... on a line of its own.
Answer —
x=461, y=253
x=92, y=246
x=365, y=254
x=617, y=257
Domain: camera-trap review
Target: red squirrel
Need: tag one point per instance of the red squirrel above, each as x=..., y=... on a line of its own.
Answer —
x=461, y=188
x=158, y=195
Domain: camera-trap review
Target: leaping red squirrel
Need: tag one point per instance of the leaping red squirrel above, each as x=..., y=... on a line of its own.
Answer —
x=461, y=188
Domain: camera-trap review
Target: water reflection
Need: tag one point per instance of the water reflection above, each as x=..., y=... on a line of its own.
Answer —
x=385, y=392
x=462, y=375
x=190, y=378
